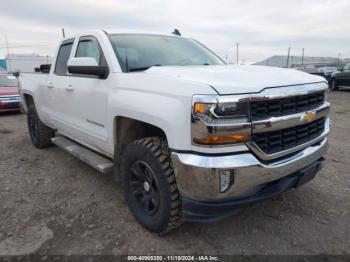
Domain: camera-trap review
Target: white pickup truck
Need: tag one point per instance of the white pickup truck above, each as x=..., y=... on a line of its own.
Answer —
x=190, y=137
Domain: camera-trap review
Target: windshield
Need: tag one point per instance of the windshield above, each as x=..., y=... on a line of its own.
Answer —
x=140, y=52
x=8, y=81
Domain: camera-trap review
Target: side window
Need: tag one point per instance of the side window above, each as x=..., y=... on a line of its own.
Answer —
x=89, y=47
x=62, y=58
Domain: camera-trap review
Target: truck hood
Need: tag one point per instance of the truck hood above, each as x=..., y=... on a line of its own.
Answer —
x=236, y=79
x=9, y=91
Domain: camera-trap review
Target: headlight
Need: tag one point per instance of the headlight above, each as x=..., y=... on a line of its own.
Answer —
x=215, y=123
x=220, y=111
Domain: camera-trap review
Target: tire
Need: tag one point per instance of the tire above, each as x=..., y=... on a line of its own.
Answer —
x=333, y=85
x=149, y=185
x=39, y=133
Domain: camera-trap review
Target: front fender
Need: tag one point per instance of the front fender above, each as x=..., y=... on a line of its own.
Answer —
x=169, y=113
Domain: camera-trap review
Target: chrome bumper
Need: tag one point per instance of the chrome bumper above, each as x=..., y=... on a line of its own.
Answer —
x=197, y=176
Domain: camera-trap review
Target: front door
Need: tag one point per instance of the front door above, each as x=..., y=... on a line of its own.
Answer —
x=87, y=99
x=343, y=79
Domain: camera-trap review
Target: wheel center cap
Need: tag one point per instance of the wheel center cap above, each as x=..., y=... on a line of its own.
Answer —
x=146, y=186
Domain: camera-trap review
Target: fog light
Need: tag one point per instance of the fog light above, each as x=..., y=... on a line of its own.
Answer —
x=226, y=179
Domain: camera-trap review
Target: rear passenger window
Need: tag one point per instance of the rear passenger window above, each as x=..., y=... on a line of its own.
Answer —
x=89, y=47
x=62, y=58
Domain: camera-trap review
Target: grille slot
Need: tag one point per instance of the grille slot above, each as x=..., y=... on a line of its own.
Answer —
x=276, y=141
x=285, y=106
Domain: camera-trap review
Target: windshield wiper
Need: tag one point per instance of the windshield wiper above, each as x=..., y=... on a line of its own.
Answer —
x=141, y=68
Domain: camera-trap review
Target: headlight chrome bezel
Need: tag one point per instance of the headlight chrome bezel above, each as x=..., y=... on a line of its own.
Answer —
x=219, y=124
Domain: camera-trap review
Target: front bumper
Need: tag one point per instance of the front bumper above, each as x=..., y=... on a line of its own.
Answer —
x=210, y=211
x=10, y=106
x=197, y=176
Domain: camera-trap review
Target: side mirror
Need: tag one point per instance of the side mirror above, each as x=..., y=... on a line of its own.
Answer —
x=86, y=66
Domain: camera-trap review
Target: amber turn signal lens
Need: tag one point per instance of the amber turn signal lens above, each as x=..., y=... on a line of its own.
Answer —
x=234, y=138
x=199, y=108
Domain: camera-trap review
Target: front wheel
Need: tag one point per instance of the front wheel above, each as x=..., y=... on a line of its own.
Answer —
x=333, y=85
x=149, y=185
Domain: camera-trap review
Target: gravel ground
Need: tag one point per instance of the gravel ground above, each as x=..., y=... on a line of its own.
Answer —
x=51, y=203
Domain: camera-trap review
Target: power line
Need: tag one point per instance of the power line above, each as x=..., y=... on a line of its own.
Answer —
x=237, y=52
x=302, y=58
x=288, y=57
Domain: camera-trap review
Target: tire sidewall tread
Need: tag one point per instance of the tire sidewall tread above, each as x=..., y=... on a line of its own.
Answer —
x=154, y=151
x=44, y=133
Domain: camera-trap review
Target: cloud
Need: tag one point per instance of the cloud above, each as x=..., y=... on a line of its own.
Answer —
x=262, y=27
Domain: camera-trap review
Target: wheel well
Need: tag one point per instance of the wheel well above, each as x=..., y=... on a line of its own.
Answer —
x=28, y=100
x=127, y=130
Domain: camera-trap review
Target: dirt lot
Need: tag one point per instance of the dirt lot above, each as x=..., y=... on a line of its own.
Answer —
x=51, y=203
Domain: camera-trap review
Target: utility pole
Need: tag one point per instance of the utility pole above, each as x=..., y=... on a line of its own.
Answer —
x=338, y=59
x=237, y=53
x=8, y=55
x=288, y=57
x=64, y=35
x=302, y=58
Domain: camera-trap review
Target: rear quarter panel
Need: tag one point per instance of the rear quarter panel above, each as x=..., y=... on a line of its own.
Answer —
x=32, y=84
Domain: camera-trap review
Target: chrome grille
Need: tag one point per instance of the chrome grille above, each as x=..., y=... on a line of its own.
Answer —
x=285, y=106
x=276, y=141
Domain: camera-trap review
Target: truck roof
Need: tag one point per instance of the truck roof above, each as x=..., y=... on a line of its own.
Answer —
x=121, y=32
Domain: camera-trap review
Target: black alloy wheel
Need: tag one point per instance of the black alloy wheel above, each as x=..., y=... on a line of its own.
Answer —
x=40, y=134
x=33, y=127
x=144, y=186
x=333, y=85
x=149, y=184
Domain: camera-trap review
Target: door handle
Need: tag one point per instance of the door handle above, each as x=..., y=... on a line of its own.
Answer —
x=50, y=85
x=70, y=88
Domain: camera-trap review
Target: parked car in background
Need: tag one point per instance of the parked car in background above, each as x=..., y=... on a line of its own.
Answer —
x=10, y=100
x=327, y=71
x=340, y=78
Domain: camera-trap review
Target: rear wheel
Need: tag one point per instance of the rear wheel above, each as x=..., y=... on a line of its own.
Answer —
x=39, y=133
x=149, y=185
x=333, y=85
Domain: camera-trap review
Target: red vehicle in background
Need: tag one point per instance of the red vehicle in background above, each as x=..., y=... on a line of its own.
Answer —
x=10, y=100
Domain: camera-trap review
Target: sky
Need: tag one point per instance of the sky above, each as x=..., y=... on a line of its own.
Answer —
x=262, y=28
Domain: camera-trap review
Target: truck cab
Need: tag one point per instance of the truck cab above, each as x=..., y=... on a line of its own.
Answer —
x=189, y=137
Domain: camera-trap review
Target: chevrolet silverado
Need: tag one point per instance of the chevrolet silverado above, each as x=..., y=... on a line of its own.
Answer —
x=189, y=137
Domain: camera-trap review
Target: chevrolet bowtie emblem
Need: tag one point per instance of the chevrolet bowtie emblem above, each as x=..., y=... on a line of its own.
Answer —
x=308, y=117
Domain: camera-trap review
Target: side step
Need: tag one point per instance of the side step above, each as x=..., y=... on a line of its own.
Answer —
x=86, y=155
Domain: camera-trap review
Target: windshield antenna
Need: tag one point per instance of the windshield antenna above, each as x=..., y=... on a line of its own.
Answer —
x=176, y=32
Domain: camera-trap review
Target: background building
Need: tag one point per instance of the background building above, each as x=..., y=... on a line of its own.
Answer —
x=25, y=62
x=2, y=65
x=298, y=61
